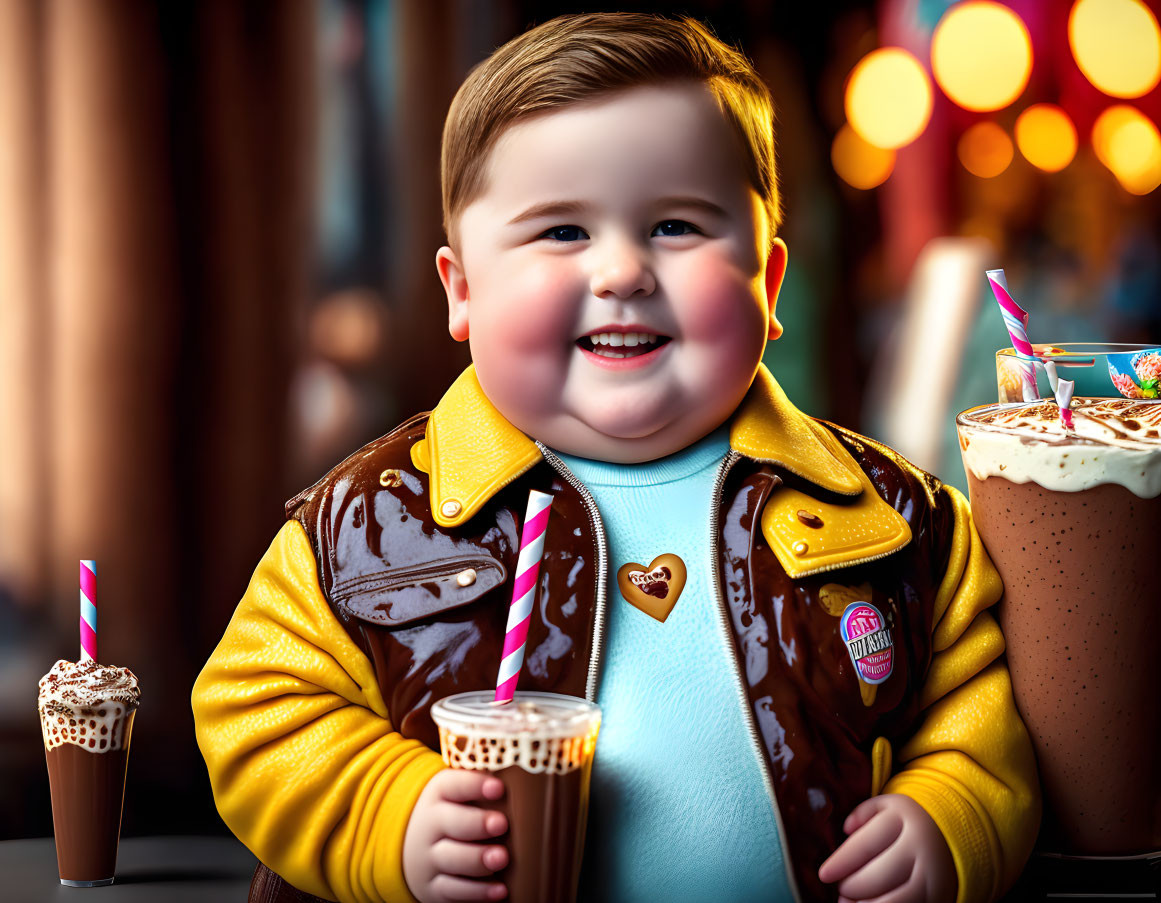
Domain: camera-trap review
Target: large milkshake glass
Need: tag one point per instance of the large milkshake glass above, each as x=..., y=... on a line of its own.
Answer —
x=1072, y=519
x=86, y=718
x=541, y=745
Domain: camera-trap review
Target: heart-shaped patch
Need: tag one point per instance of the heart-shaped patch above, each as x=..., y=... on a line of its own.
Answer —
x=653, y=589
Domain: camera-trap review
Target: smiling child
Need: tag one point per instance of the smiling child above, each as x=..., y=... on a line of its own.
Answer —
x=820, y=709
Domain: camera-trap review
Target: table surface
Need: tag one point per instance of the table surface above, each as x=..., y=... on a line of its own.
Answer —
x=174, y=869
x=197, y=869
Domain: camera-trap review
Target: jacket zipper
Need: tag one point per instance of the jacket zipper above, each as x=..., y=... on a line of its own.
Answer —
x=724, y=468
x=598, y=646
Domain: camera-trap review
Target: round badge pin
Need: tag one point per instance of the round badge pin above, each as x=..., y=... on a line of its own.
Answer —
x=869, y=642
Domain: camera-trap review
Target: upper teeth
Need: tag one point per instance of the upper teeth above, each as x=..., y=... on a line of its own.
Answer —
x=623, y=338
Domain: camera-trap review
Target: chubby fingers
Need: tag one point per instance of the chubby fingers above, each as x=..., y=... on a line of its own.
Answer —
x=875, y=832
x=863, y=813
x=458, y=786
x=910, y=891
x=476, y=860
x=449, y=887
x=890, y=870
x=466, y=822
x=455, y=815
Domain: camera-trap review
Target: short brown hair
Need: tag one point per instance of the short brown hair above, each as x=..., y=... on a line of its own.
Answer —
x=575, y=58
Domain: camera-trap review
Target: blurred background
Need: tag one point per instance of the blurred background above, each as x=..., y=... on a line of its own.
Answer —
x=217, y=236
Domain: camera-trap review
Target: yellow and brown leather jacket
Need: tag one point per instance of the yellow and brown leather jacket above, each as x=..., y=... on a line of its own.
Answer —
x=388, y=589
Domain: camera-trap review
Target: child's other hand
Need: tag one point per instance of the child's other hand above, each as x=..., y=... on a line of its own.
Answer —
x=894, y=853
x=443, y=853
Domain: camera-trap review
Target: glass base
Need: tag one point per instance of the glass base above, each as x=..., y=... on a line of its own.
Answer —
x=98, y=883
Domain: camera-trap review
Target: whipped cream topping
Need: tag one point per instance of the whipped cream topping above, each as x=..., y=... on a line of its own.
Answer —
x=87, y=704
x=1112, y=440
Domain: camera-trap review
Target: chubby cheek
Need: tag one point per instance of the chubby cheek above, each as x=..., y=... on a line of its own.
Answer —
x=723, y=318
x=522, y=331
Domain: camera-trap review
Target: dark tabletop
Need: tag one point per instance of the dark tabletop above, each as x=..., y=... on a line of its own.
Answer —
x=200, y=869
x=173, y=869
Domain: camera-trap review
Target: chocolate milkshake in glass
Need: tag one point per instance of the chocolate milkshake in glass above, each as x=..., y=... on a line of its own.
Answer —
x=1072, y=520
x=86, y=718
x=541, y=746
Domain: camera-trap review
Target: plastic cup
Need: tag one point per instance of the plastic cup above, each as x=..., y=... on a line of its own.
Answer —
x=541, y=746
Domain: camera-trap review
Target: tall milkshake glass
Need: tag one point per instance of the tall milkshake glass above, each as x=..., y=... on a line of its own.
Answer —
x=1072, y=518
x=86, y=719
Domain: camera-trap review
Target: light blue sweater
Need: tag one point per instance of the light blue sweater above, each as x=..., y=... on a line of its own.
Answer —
x=679, y=811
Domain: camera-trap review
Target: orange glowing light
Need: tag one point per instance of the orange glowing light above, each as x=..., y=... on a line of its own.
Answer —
x=1135, y=154
x=981, y=55
x=888, y=98
x=1117, y=45
x=1046, y=137
x=985, y=150
x=858, y=162
x=1128, y=143
x=1106, y=126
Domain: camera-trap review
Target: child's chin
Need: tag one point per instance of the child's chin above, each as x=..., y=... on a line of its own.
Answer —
x=631, y=439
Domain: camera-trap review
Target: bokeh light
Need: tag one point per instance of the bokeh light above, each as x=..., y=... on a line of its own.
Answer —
x=1128, y=143
x=1107, y=124
x=1117, y=45
x=889, y=98
x=1046, y=137
x=985, y=150
x=858, y=162
x=981, y=55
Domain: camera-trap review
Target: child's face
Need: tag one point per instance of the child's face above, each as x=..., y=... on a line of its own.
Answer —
x=630, y=214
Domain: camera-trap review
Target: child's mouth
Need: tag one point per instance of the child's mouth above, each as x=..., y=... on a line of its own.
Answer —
x=616, y=345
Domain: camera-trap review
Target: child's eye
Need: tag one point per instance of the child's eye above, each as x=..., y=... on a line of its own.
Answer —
x=565, y=233
x=674, y=227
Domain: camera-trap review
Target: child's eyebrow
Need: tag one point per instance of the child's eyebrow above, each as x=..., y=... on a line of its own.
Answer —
x=549, y=208
x=569, y=208
x=695, y=202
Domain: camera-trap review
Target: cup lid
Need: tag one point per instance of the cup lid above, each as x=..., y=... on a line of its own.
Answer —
x=528, y=711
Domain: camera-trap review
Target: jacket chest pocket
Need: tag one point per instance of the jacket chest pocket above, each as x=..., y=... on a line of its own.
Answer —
x=403, y=595
x=425, y=638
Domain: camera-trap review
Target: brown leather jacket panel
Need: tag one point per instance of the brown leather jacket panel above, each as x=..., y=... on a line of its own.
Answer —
x=816, y=726
x=429, y=605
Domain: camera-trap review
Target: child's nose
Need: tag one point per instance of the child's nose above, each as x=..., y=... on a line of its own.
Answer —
x=621, y=271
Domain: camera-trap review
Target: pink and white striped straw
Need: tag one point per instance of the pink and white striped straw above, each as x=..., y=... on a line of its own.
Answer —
x=1016, y=320
x=523, y=594
x=88, y=610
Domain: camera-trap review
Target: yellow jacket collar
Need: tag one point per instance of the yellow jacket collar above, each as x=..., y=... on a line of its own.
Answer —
x=471, y=452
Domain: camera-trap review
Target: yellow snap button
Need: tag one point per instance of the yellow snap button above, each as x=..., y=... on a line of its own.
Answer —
x=466, y=578
x=451, y=508
x=800, y=548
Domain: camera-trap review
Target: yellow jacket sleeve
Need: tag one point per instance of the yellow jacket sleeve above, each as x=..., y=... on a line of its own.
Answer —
x=304, y=764
x=970, y=764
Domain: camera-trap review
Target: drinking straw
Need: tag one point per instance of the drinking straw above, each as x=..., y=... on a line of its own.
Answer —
x=1053, y=379
x=523, y=594
x=1016, y=319
x=88, y=610
x=1063, y=391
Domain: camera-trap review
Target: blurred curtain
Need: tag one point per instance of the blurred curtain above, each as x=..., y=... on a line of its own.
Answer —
x=434, y=53
x=155, y=165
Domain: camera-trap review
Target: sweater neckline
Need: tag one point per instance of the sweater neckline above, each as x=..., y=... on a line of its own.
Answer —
x=703, y=453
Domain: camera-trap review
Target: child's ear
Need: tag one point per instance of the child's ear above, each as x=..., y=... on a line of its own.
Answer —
x=775, y=270
x=455, y=284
